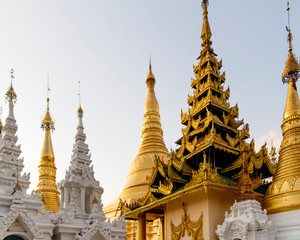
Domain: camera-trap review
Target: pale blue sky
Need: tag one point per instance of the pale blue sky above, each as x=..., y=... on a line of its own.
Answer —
x=106, y=45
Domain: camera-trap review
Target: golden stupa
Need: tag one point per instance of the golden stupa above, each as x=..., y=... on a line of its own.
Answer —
x=284, y=193
x=152, y=146
x=47, y=170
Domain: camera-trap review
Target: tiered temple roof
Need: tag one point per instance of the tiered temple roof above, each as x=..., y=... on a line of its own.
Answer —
x=212, y=137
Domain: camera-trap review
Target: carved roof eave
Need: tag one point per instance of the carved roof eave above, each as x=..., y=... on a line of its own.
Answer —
x=217, y=121
x=207, y=121
x=257, y=160
x=206, y=88
x=209, y=57
x=194, y=110
x=158, y=168
x=221, y=146
x=202, y=187
x=28, y=222
x=217, y=144
x=175, y=177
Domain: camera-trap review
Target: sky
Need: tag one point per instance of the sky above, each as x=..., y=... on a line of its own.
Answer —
x=106, y=46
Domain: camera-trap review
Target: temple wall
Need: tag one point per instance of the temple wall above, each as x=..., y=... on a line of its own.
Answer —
x=212, y=204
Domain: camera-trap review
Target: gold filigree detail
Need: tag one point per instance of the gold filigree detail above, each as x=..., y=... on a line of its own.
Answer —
x=149, y=198
x=194, y=229
x=166, y=189
x=121, y=209
x=205, y=174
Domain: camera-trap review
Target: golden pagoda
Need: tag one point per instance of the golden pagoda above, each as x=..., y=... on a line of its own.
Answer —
x=152, y=146
x=212, y=165
x=47, y=169
x=284, y=193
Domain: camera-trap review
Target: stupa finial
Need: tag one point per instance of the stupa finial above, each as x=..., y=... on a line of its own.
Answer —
x=47, y=121
x=79, y=98
x=10, y=94
x=292, y=66
x=206, y=32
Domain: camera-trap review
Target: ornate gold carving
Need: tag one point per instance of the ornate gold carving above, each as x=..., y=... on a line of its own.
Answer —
x=149, y=198
x=232, y=141
x=166, y=189
x=121, y=209
x=205, y=174
x=184, y=116
x=245, y=183
x=194, y=229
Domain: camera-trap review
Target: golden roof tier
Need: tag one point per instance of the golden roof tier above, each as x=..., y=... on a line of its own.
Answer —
x=47, y=170
x=284, y=193
x=152, y=146
x=212, y=129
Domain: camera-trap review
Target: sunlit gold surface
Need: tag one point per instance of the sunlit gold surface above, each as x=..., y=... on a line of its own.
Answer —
x=194, y=229
x=245, y=183
x=152, y=144
x=292, y=106
x=47, y=169
x=11, y=94
x=284, y=193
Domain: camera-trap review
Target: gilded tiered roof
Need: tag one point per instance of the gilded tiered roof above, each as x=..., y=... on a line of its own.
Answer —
x=284, y=193
x=210, y=149
x=47, y=170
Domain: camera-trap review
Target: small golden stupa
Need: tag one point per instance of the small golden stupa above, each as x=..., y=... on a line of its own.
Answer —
x=284, y=193
x=47, y=170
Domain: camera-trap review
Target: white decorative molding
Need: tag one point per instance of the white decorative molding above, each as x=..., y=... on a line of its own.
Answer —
x=246, y=221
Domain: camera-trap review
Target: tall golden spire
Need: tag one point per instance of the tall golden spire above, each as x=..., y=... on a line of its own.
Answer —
x=284, y=193
x=47, y=169
x=206, y=32
x=152, y=134
x=152, y=145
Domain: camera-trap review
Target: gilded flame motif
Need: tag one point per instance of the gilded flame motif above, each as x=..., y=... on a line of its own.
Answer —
x=284, y=193
x=205, y=174
x=245, y=183
x=193, y=229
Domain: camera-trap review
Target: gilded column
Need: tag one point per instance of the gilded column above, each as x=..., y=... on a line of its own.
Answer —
x=142, y=226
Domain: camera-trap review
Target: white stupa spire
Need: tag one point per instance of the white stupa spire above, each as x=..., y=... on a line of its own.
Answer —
x=79, y=188
x=11, y=165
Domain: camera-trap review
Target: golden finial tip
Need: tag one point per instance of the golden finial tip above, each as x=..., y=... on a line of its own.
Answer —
x=95, y=200
x=80, y=109
x=18, y=186
x=150, y=74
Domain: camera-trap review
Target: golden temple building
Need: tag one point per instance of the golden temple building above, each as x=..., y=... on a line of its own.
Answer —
x=215, y=168
x=214, y=185
x=47, y=170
